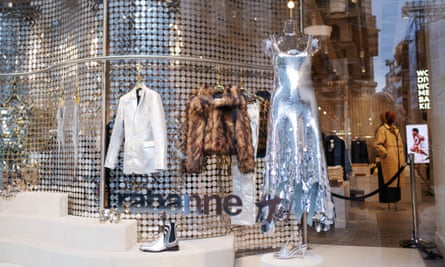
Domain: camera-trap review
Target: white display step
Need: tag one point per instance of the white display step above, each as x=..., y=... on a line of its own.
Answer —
x=69, y=232
x=215, y=252
x=36, y=203
x=310, y=259
x=5, y=264
x=33, y=236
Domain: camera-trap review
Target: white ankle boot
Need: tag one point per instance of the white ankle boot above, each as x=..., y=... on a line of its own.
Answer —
x=168, y=240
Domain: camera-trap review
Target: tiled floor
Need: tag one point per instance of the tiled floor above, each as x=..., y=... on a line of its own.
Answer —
x=373, y=224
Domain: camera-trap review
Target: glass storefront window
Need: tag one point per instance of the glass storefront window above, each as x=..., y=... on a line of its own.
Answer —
x=375, y=56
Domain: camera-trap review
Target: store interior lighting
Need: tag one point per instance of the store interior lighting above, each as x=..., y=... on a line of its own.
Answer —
x=291, y=6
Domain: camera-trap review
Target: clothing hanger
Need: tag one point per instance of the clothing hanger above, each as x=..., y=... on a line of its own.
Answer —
x=62, y=96
x=77, y=93
x=139, y=79
x=139, y=83
x=241, y=84
x=14, y=96
x=251, y=97
x=219, y=88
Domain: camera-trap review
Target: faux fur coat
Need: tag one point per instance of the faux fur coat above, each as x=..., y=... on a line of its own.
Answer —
x=218, y=125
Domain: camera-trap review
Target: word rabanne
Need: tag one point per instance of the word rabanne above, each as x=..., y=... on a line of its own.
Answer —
x=194, y=203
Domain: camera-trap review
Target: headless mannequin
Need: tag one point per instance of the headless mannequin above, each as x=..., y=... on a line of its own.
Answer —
x=295, y=170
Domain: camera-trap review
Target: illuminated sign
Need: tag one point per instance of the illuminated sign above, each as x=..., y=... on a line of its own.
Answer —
x=423, y=89
x=417, y=142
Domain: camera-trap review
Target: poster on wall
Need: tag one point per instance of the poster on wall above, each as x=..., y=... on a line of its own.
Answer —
x=417, y=142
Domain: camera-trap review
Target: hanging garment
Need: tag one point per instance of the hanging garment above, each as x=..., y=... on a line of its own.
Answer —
x=198, y=111
x=264, y=115
x=143, y=127
x=60, y=117
x=359, y=151
x=335, y=150
x=219, y=126
x=253, y=111
x=244, y=184
x=76, y=126
x=295, y=168
x=242, y=138
x=228, y=130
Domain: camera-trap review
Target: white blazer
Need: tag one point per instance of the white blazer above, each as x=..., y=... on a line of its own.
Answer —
x=144, y=129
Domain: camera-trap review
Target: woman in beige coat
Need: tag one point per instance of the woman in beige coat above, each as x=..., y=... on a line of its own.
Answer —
x=389, y=146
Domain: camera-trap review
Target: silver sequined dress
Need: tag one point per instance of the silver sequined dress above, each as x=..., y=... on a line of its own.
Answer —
x=295, y=167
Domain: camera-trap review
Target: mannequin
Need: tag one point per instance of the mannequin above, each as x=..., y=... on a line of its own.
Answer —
x=295, y=177
x=389, y=146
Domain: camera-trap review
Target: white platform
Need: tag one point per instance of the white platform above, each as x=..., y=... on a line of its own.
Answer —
x=28, y=238
x=353, y=256
x=31, y=240
x=36, y=203
x=310, y=259
x=68, y=232
x=216, y=252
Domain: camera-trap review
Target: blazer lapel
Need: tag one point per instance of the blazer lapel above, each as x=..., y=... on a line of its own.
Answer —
x=140, y=108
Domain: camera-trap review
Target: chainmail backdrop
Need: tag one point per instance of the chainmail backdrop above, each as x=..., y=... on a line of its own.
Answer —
x=51, y=56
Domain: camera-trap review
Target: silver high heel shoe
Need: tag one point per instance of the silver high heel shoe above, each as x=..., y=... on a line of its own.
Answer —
x=291, y=253
x=167, y=241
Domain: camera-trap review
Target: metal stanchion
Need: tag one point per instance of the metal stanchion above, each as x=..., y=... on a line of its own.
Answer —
x=415, y=242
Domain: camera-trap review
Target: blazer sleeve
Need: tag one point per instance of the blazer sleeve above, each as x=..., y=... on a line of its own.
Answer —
x=116, y=139
x=159, y=133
